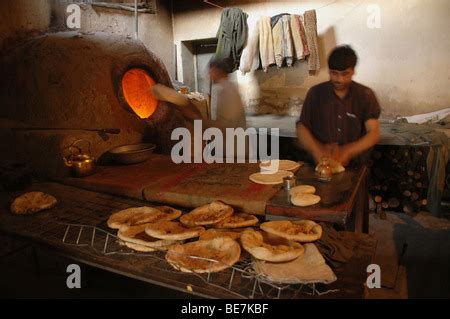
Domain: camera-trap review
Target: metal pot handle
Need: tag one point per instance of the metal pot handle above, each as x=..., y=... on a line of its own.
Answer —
x=79, y=149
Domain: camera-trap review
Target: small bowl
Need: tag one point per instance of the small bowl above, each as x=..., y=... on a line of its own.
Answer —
x=133, y=153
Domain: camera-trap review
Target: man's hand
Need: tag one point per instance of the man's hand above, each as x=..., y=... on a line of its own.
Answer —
x=341, y=154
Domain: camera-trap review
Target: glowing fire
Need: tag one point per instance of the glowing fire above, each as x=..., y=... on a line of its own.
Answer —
x=136, y=86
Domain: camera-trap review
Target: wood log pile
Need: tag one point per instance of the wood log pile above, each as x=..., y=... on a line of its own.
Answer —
x=399, y=180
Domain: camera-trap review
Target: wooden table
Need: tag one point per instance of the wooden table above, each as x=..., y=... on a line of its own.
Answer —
x=344, y=200
x=91, y=209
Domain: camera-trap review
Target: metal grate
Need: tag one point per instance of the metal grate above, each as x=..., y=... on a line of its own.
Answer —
x=239, y=280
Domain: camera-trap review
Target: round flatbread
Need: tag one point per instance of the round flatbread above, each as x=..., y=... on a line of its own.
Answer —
x=209, y=214
x=172, y=230
x=265, y=246
x=304, y=200
x=142, y=215
x=217, y=232
x=238, y=220
x=304, y=231
x=270, y=178
x=281, y=165
x=204, y=255
x=303, y=189
x=137, y=235
x=32, y=202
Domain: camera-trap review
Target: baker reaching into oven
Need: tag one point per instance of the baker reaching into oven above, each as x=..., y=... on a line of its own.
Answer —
x=339, y=119
x=230, y=110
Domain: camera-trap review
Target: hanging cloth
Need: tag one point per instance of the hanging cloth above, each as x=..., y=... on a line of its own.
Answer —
x=296, y=38
x=311, y=37
x=266, y=49
x=232, y=35
x=250, y=55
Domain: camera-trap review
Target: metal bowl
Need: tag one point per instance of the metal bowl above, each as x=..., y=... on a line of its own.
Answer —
x=133, y=153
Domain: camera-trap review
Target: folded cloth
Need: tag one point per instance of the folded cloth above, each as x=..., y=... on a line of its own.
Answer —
x=335, y=248
x=266, y=43
x=250, y=54
x=275, y=19
x=311, y=37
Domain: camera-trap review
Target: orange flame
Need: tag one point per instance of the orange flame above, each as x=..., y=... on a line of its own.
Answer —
x=136, y=86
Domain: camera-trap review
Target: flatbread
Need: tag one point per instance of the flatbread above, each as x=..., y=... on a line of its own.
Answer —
x=265, y=246
x=304, y=200
x=238, y=220
x=32, y=202
x=212, y=255
x=270, y=178
x=209, y=214
x=172, y=230
x=218, y=232
x=283, y=165
x=137, y=235
x=307, y=269
x=303, y=189
x=142, y=215
x=303, y=230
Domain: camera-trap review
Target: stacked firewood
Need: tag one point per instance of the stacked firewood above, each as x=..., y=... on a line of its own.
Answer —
x=399, y=180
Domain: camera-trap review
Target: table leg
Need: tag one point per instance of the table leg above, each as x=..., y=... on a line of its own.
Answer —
x=361, y=209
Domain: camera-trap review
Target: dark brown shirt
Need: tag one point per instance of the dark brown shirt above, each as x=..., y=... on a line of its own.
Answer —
x=334, y=120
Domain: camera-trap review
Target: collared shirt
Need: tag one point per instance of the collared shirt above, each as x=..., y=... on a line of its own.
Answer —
x=334, y=120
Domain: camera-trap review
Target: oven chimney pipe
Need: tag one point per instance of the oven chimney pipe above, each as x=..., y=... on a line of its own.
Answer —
x=136, y=20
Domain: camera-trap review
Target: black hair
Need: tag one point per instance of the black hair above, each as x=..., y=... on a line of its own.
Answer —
x=222, y=64
x=342, y=58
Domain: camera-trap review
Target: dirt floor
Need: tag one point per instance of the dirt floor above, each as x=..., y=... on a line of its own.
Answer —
x=413, y=254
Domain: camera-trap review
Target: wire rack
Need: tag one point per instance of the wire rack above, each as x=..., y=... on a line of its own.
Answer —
x=240, y=280
x=79, y=221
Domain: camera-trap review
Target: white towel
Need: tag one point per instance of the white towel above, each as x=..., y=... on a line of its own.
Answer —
x=266, y=43
x=250, y=55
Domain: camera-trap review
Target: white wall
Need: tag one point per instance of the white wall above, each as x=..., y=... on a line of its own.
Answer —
x=406, y=62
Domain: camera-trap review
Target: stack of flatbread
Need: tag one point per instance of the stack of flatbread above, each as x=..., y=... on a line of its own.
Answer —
x=132, y=224
x=303, y=195
x=265, y=246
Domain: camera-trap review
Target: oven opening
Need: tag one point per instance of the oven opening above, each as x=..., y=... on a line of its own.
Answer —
x=136, y=87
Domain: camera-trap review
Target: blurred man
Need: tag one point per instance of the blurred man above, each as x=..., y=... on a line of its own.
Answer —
x=339, y=118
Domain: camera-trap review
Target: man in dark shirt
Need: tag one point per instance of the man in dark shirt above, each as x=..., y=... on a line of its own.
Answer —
x=339, y=118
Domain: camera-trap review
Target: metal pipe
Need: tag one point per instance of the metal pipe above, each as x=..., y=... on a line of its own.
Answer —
x=136, y=20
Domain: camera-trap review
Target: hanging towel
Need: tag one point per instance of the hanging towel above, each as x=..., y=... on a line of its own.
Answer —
x=288, y=46
x=296, y=38
x=303, y=36
x=232, y=35
x=277, y=33
x=266, y=49
x=250, y=54
x=311, y=37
